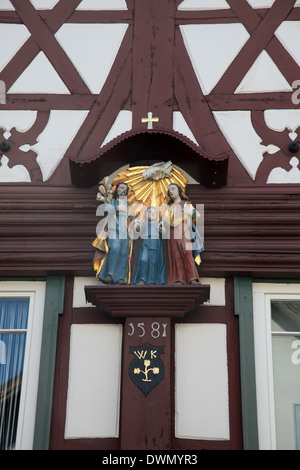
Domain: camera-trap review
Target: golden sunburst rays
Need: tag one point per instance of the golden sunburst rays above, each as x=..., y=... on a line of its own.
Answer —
x=145, y=191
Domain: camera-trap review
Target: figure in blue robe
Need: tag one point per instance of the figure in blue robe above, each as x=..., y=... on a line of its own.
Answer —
x=151, y=265
x=116, y=266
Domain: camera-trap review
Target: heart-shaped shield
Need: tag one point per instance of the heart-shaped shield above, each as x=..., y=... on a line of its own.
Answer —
x=146, y=369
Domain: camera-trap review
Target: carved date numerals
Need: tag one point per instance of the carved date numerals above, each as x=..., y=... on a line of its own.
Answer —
x=157, y=330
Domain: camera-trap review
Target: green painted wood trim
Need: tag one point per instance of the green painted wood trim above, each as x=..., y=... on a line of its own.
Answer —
x=243, y=307
x=54, y=303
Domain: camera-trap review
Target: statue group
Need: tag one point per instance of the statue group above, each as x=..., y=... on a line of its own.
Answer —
x=149, y=234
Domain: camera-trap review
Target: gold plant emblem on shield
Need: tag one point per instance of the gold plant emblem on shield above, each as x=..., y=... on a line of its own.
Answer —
x=147, y=363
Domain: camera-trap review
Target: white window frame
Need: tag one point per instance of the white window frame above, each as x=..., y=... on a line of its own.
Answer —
x=263, y=295
x=35, y=292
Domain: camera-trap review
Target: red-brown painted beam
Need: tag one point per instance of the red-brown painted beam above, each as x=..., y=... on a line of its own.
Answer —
x=147, y=301
x=152, y=62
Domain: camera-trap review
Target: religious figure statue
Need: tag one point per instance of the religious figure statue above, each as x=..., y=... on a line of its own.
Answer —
x=151, y=265
x=139, y=196
x=114, y=268
x=184, y=241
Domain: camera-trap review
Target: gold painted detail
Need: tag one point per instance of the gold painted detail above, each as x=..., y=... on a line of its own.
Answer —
x=147, y=363
x=148, y=185
x=149, y=120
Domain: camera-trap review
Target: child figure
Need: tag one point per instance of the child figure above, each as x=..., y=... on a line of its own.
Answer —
x=151, y=265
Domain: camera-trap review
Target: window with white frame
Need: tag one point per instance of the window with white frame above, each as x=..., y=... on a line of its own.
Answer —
x=276, y=317
x=21, y=321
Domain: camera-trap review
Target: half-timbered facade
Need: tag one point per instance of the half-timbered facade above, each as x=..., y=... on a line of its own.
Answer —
x=89, y=88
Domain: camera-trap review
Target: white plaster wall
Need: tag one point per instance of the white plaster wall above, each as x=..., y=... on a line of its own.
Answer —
x=203, y=5
x=280, y=119
x=122, y=123
x=263, y=76
x=51, y=144
x=12, y=37
x=261, y=3
x=238, y=130
x=212, y=48
x=55, y=139
x=85, y=44
x=201, y=396
x=92, y=48
x=281, y=175
x=22, y=121
x=79, y=293
x=84, y=5
x=41, y=77
x=288, y=34
x=44, y=4
x=217, y=291
x=180, y=125
x=6, y=5
x=94, y=381
x=102, y=5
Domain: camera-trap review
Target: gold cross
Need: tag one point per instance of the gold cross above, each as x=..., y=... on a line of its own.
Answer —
x=149, y=119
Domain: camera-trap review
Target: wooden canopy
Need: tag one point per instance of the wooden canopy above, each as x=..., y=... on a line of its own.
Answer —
x=134, y=147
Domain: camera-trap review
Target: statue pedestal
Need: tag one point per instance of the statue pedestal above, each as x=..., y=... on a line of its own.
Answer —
x=148, y=355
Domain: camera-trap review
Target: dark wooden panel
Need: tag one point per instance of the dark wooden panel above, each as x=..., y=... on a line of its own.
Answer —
x=251, y=231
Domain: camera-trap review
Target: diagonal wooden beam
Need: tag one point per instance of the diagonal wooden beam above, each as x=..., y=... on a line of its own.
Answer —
x=240, y=11
x=284, y=61
x=112, y=98
x=258, y=41
x=30, y=48
x=19, y=62
x=45, y=39
x=62, y=12
x=245, y=13
x=250, y=18
x=193, y=104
